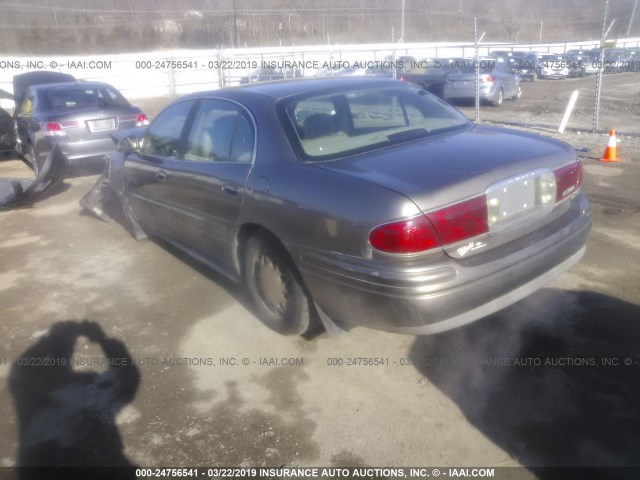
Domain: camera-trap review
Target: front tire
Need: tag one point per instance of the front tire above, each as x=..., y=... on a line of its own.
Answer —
x=275, y=287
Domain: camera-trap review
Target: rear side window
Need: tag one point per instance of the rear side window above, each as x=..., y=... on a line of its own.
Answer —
x=221, y=132
x=355, y=121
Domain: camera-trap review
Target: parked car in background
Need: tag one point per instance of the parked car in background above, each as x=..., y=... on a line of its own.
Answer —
x=7, y=132
x=434, y=76
x=270, y=74
x=78, y=116
x=634, y=59
x=526, y=64
x=579, y=65
x=618, y=60
x=497, y=82
x=552, y=66
x=402, y=63
x=350, y=71
x=20, y=84
x=505, y=55
x=360, y=201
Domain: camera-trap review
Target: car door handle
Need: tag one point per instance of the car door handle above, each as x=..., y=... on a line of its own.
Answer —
x=161, y=175
x=230, y=188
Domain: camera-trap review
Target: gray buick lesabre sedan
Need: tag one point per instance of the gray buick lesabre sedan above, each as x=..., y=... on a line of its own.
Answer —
x=353, y=201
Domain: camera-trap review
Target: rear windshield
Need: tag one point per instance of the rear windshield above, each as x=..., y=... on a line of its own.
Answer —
x=80, y=97
x=355, y=121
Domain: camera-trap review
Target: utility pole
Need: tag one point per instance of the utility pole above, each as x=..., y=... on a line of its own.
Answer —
x=633, y=12
x=540, y=34
x=596, y=113
x=477, y=65
x=236, y=42
x=402, y=23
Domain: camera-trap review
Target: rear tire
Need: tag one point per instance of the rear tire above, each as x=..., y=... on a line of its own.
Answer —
x=498, y=101
x=275, y=287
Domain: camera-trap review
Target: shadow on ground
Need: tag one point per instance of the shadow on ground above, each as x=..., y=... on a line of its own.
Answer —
x=66, y=416
x=546, y=379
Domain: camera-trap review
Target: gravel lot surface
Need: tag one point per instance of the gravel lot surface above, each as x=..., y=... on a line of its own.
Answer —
x=552, y=381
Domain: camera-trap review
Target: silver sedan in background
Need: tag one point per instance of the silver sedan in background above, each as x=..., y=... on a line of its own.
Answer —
x=78, y=116
x=553, y=66
x=353, y=201
x=496, y=78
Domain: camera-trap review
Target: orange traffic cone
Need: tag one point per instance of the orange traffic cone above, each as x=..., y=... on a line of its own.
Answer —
x=611, y=152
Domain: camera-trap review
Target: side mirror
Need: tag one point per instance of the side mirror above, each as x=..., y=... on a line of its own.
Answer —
x=128, y=145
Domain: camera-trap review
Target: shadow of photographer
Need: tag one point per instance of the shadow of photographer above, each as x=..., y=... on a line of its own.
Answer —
x=67, y=417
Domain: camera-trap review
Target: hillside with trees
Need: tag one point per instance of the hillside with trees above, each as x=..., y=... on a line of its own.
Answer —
x=88, y=26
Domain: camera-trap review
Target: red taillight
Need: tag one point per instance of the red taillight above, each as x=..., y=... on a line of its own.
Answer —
x=51, y=129
x=461, y=221
x=402, y=79
x=448, y=225
x=568, y=180
x=487, y=78
x=412, y=235
x=142, y=120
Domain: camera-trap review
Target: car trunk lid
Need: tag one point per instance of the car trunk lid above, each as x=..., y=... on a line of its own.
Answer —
x=507, y=168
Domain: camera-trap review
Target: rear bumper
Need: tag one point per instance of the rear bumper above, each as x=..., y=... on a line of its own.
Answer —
x=543, y=74
x=469, y=92
x=92, y=151
x=429, y=297
x=527, y=74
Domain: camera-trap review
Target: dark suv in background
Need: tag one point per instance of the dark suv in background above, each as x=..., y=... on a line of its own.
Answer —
x=526, y=64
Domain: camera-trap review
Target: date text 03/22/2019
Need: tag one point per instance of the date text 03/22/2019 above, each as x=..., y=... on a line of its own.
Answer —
x=314, y=472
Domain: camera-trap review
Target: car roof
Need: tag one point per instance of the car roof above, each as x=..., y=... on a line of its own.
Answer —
x=288, y=88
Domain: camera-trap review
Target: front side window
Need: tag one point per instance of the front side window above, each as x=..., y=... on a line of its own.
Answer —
x=355, y=121
x=163, y=136
x=221, y=132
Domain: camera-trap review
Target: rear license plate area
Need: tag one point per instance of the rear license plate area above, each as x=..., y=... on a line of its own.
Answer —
x=101, y=125
x=519, y=199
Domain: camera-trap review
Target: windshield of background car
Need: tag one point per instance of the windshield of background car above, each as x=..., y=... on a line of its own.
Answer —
x=82, y=97
x=356, y=121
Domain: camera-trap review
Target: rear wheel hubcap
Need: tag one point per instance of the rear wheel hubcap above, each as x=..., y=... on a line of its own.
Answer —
x=272, y=283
